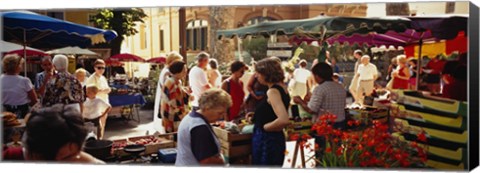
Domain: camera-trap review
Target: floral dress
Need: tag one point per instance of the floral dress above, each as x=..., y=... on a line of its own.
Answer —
x=173, y=105
x=64, y=88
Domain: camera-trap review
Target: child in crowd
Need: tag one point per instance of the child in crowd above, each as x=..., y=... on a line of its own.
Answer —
x=94, y=109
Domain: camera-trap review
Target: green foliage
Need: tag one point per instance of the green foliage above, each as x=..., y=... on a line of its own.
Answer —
x=123, y=21
x=256, y=47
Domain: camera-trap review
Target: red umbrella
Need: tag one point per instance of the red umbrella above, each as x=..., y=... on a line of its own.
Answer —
x=126, y=57
x=30, y=53
x=157, y=60
x=115, y=63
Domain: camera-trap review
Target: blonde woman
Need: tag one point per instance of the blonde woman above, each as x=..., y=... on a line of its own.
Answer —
x=401, y=75
x=164, y=75
x=18, y=93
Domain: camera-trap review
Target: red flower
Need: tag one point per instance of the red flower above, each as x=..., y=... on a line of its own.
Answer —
x=324, y=117
x=371, y=143
x=363, y=164
x=328, y=150
x=316, y=147
x=405, y=163
x=355, y=137
x=360, y=147
x=335, y=140
x=398, y=156
x=357, y=122
x=421, y=137
x=372, y=161
x=294, y=137
x=365, y=136
x=350, y=123
x=381, y=148
x=306, y=136
x=413, y=144
x=339, y=151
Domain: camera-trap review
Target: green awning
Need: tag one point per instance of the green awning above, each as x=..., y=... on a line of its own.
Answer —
x=313, y=26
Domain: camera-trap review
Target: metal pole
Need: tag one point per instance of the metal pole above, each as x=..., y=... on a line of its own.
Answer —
x=419, y=66
x=25, y=50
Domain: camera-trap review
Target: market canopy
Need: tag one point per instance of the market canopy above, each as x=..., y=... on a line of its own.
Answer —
x=314, y=26
x=72, y=51
x=7, y=47
x=41, y=31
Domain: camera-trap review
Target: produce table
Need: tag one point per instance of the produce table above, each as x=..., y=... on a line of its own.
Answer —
x=132, y=101
x=237, y=148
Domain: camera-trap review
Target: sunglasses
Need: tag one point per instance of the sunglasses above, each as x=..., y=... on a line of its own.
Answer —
x=100, y=68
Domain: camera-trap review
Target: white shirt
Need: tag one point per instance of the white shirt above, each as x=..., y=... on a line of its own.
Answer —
x=163, y=76
x=367, y=72
x=301, y=75
x=197, y=78
x=101, y=83
x=94, y=108
x=15, y=89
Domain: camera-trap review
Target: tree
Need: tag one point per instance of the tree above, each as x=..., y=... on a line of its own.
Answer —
x=123, y=21
x=222, y=50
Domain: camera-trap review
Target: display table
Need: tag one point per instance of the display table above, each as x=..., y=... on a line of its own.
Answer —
x=237, y=148
x=132, y=101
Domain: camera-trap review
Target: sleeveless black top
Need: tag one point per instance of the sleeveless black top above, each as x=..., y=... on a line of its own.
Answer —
x=264, y=113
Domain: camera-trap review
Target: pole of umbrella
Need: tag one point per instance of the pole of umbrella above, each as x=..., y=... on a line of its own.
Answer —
x=419, y=66
x=25, y=50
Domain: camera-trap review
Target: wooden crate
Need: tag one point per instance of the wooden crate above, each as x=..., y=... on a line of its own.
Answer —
x=149, y=148
x=234, y=146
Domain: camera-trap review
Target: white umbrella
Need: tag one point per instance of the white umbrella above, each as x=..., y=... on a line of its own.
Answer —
x=72, y=51
x=7, y=47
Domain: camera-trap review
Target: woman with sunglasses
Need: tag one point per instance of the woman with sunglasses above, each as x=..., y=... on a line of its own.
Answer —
x=101, y=83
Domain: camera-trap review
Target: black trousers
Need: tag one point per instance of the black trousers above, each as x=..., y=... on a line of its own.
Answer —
x=19, y=110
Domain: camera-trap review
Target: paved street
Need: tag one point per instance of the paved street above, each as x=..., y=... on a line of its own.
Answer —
x=118, y=128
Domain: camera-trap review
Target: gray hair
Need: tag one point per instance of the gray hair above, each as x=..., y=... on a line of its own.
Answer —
x=60, y=62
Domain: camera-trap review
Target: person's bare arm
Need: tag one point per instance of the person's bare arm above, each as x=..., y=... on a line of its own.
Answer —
x=280, y=110
x=33, y=97
x=304, y=105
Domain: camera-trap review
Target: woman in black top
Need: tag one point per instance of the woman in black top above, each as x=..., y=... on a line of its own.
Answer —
x=271, y=116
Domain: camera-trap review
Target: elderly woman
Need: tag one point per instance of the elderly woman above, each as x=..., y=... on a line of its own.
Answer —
x=197, y=143
x=175, y=98
x=63, y=88
x=17, y=91
x=164, y=74
x=55, y=133
x=271, y=116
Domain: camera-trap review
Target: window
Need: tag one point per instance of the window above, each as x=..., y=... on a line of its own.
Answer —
x=450, y=7
x=197, y=34
x=56, y=14
x=162, y=40
x=259, y=19
x=143, y=37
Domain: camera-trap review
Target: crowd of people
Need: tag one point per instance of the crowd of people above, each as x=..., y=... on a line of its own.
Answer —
x=61, y=104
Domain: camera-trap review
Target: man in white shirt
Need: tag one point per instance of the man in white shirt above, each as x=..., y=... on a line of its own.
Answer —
x=197, y=78
x=367, y=74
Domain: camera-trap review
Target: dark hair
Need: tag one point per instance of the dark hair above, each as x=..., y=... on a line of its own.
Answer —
x=176, y=67
x=48, y=129
x=323, y=70
x=236, y=66
x=213, y=64
x=415, y=61
x=271, y=69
